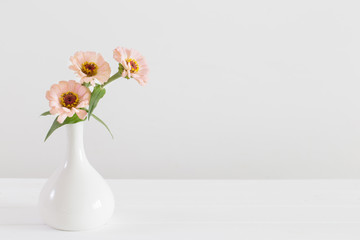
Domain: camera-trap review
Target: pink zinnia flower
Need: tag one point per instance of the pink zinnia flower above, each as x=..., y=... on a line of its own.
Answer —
x=134, y=64
x=66, y=99
x=90, y=66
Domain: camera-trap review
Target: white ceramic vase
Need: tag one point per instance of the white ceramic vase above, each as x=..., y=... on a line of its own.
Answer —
x=76, y=197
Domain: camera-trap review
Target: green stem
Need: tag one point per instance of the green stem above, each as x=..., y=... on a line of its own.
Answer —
x=85, y=84
x=112, y=78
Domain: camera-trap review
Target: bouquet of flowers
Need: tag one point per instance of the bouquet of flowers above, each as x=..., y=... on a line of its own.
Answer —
x=74, y=102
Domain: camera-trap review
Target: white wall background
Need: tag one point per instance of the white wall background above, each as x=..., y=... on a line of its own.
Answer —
x=238, y=89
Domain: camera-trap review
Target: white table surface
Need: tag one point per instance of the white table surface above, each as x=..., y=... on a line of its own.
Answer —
x=200, y=209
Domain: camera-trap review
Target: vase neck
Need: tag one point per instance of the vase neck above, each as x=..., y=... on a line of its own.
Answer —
x=76, y=152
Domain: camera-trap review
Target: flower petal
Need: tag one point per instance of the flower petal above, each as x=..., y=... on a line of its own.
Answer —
x=61, y=118
x=81, y=114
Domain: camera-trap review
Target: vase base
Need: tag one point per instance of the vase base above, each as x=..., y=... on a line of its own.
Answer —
x=80, y=229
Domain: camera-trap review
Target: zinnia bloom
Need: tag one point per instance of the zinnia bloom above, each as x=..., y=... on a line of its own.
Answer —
x=90, y=66
x=66, y=99
x=134, y=64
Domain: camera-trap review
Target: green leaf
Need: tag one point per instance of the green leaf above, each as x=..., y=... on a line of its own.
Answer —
x=96, y=95
x=46, y=113
x=56, y=124
x=97, y=118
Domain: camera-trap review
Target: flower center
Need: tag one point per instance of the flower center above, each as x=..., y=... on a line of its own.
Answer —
x=89, y=68
x=133, y=64
x=69, y=100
